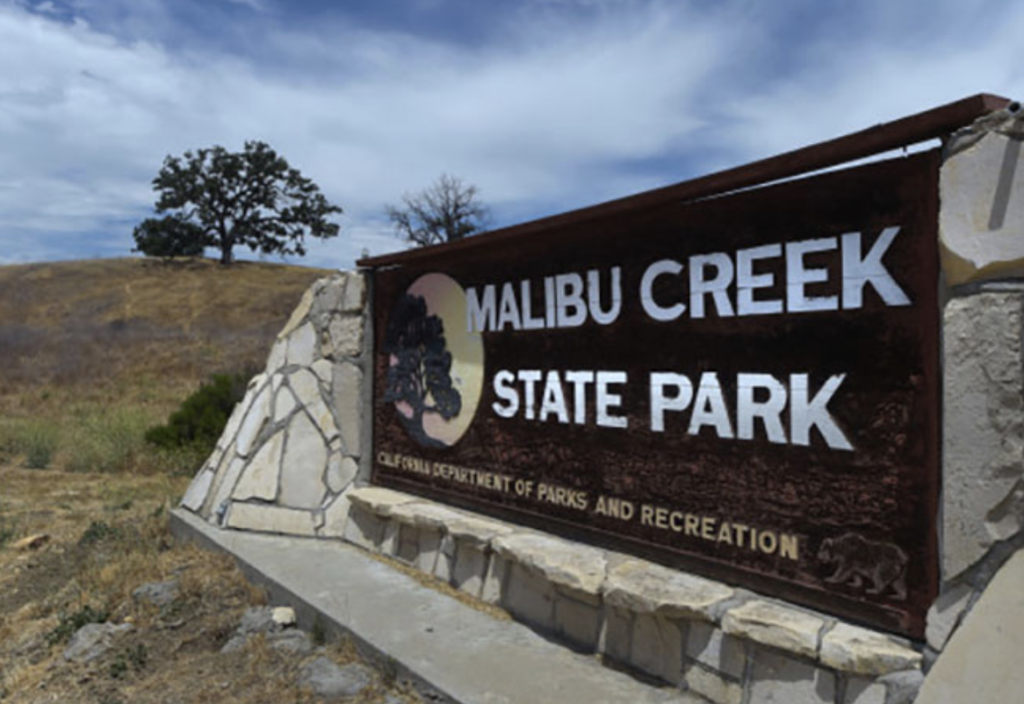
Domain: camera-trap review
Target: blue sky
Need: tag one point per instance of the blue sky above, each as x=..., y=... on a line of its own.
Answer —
x=545, y=105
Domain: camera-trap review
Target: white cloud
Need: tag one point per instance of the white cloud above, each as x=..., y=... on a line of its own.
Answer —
x=90, y=116
x=562, y=110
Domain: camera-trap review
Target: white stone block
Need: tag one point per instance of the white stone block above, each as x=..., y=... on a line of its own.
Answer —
x=864, y=691
x=341, y=472
x=197, y=490
x=336, y=517
x=328, y=299
x=391, y=534
x=428, y=550
x=324, y=370
x=571, y=566
x=255, y=418
x=616, y=633
x=945, y=613
x=379, y=500
x=302, y=346
x=306, y=386
x=477, y=531
x=775, y=625
x=355, y=292
x=278, y=356
x=863, y=652
x=778, y=679
x=270, y=519
x=981, y=188
x=225, y=482
x=578, y=622
x=408, y=543
x=344, y=337
x=470, y=568
x=284, y=404
x=530, y=597
x=260, y=477
x=712, y=686
x=657, y=648
x=283, y=616
x=983, y=438
x=239, y=413
x=494, y=583
x=644, y=587
x=363, y=528
x=445, y=564
x=348, y=404
x=982, y=660
x=425, y=514
x=304, y=464
x=714, y=649
x=299, y=314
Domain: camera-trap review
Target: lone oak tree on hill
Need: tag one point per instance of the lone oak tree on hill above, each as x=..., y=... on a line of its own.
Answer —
x=216, y=198
x=447, y=210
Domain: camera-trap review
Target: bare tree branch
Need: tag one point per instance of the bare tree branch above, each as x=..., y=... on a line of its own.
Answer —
x=447, y=210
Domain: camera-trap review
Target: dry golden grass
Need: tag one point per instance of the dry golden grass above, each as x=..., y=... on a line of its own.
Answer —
x=108, y=535
x=94, y=353
x=135, y=330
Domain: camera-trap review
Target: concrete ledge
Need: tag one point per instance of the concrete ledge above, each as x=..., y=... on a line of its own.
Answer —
x=449, y=651
x=681, y=629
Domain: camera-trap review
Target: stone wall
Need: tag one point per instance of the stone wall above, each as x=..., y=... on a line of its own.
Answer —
x=293, y=460
x=729, y=645
x=981, y=234
x=295, y=443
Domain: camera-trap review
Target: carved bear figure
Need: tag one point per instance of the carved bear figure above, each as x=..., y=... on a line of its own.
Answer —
x=857, y=559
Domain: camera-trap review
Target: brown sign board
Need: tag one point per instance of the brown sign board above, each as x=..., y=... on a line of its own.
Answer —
x=743, y=386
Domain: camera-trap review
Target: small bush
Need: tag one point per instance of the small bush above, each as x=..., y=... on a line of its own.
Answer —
x=7, y=529
x=70, y=623
x=198, y=424
x=107, y=440
x=38, y=440
x=98, y=531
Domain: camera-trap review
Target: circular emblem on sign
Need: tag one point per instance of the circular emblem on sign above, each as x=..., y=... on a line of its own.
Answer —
x=435, y=366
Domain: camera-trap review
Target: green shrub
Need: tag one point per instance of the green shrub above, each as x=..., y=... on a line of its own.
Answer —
x=38, y=440
x=7, y=528
x=70, y=623
x=107, y=440
x=97, y=532
x=198, y=424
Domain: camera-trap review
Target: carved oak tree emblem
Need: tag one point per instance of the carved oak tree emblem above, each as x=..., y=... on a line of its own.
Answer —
x=419, y=378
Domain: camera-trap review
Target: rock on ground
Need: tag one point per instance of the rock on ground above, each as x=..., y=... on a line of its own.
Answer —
x=92, y=641
x=157, y=593
x=334, y=682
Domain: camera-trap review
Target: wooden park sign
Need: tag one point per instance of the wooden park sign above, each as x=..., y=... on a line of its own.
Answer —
x=744, y=386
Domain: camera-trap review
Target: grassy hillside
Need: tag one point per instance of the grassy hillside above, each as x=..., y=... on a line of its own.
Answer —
x=89, y=324
x=93, y=352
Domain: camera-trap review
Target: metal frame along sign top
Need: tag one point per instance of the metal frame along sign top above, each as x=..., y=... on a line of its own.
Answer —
x=743, y=386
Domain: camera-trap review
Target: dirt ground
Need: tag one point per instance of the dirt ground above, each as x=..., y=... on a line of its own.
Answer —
x=105, y=535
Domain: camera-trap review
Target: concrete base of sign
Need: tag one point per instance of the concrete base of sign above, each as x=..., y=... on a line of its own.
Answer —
x=703, y=636
x=447, y=650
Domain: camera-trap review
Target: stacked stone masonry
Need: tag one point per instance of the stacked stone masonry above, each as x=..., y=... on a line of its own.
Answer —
x=728, y=645
x=293, y=445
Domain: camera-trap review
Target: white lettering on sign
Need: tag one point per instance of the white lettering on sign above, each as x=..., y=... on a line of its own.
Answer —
x=721, y=284
x=783, y=412
x=605, y=396
x=568, y=301
x=761, y=404
x=818, y=274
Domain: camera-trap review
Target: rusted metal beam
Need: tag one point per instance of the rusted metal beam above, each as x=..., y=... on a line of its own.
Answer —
x=907, y=131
